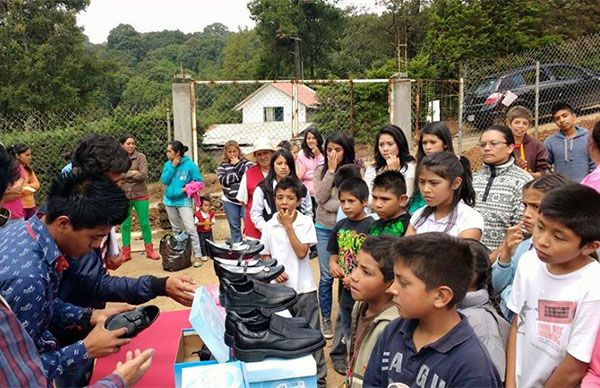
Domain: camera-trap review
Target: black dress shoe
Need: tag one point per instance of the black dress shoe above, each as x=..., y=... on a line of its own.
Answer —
x=256, y=320
x=235, y=273
x=229, y=252
x=279, y=340
x=251, y=293
x=134, y=320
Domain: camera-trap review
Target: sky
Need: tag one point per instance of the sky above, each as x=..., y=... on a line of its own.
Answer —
x=101, y=16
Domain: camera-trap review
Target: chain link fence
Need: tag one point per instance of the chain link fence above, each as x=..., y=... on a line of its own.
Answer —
x=537, y=79
x=53, y=136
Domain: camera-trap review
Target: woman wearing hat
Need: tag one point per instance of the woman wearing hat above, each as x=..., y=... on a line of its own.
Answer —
x=263, y=151
x=230, y=173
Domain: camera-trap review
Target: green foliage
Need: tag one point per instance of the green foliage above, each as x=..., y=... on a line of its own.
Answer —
x=241, y=56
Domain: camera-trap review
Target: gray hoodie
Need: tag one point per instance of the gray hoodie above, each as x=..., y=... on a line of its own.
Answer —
x=570, y=156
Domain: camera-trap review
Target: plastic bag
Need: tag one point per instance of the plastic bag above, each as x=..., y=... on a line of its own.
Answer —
x=176, y=251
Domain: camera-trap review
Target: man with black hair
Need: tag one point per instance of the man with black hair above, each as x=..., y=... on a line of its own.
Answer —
x=80, y=211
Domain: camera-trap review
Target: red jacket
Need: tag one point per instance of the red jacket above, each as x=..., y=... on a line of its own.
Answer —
x=253, y=178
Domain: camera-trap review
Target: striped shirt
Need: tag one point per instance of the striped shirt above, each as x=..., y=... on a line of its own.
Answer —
x=230, y=176
x=499, y=200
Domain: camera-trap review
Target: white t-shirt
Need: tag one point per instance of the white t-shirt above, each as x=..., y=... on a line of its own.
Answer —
x=277, y=244
x=556, y=314
x=407, y=171
x=465, y=218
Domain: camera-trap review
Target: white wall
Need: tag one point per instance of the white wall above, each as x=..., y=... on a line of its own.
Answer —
x=253, y=111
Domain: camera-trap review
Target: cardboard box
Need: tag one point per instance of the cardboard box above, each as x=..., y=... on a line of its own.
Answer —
x=191, y=373
x=281, y=373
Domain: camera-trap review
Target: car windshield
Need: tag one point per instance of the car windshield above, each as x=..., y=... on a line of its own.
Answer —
x=485, y=88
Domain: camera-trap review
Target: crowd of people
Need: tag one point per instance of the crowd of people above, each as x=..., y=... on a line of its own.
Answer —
x=445, y=277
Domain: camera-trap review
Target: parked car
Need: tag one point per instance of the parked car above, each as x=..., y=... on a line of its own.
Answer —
x=576, y=85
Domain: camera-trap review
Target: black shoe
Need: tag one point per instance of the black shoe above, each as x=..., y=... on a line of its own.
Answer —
x=229, y=252
x=235, y=273
x=279, y=340
x=256, y=320
x=134, y=320
x=340, y=366
x=251, y=293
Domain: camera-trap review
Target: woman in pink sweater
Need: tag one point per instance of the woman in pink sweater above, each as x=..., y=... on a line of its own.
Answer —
x=309, y=158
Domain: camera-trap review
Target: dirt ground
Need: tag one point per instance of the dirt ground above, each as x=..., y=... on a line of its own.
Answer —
x=204, y=275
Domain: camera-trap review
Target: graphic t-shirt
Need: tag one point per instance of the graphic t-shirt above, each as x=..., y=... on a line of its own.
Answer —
x=557, y=314
x=395, y=227
x=349, y=237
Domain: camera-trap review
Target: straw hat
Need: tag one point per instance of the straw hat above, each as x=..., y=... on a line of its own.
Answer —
x=263, y=144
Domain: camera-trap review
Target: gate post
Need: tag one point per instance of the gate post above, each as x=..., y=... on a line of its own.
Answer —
x=184, y=113
x=400, y=105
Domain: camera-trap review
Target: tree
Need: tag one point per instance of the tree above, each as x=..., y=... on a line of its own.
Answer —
x=125, y=38
x=241, y=55
x=44, y=63
x=279, y=22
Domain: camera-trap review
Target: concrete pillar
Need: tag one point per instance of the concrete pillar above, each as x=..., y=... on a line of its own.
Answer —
x=400, y=103
x=184, y=114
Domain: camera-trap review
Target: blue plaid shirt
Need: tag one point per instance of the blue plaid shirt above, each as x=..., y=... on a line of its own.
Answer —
x=29, y=282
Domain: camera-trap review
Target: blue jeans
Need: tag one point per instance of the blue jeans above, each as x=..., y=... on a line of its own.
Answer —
x=325, y=279
x=235, y=214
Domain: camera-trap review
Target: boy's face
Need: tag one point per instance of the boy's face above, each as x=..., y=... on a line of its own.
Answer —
x=388, y=205
x=564, y=119
x=557, y=245
x=366, y=280
x=205, y=206
x=76, y=243
x=352, y=207
x=532, y=199
x=409, y=293
x=286, y=200
x=519, y=126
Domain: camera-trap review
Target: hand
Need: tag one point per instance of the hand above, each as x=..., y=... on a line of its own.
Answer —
x=133, y=171
x=114, y=262
x=315, y=150
x=285, y=217
x=181, y=289
x=392, y=163
x=234, y=160
x=336, y=271
x=282, y=278
x=346, y=281
x=134, y=367
x=101, y=342
x=522, y=163
x=176, y=161
x=99, y=316
x=514, y=236
x=333, y=160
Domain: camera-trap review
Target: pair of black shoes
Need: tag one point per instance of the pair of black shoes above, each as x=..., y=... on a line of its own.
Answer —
x=254, y=335
x=234, y=252
x=246, y=294
x=264, y=270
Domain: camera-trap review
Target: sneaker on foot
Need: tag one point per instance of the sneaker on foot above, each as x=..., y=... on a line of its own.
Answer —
x=326, y=329
x=204, y=258
x=197, y=262
x=339, y=365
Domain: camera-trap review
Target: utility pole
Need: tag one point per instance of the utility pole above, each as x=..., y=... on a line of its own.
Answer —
x=402, y=49
x=298, y=57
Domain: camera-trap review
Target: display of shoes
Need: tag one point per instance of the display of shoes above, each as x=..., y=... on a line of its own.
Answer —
x=135, y=320
x=256, y=320
x=279, y=339
x=249, y=294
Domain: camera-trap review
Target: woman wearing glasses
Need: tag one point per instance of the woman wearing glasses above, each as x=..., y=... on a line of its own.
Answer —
x=498, y=185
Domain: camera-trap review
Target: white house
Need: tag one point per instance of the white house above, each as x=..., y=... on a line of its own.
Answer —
x=273, y=102
x=265, y=112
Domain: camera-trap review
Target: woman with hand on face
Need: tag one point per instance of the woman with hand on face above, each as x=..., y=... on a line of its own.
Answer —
x=230, y=173
x=309, y=158
x=339, y=151
x=263, y=151
x=178, y=171
x=392, y=153
x=133, y=183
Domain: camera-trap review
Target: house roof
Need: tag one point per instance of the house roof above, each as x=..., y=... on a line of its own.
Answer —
x=217, y=135
x=306, y=95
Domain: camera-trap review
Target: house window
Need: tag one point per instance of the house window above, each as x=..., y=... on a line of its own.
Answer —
x=273, y=113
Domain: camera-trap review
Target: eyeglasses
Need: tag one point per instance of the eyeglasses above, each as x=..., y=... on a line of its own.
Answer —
x=492, y=143
x=4, y=216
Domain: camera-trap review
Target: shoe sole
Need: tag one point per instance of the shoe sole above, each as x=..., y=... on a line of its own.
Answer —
x=328, y=336
x=254, y=355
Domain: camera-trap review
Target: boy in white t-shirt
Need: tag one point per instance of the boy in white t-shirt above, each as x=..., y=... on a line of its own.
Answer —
x=288, y=237
x=556, y=294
